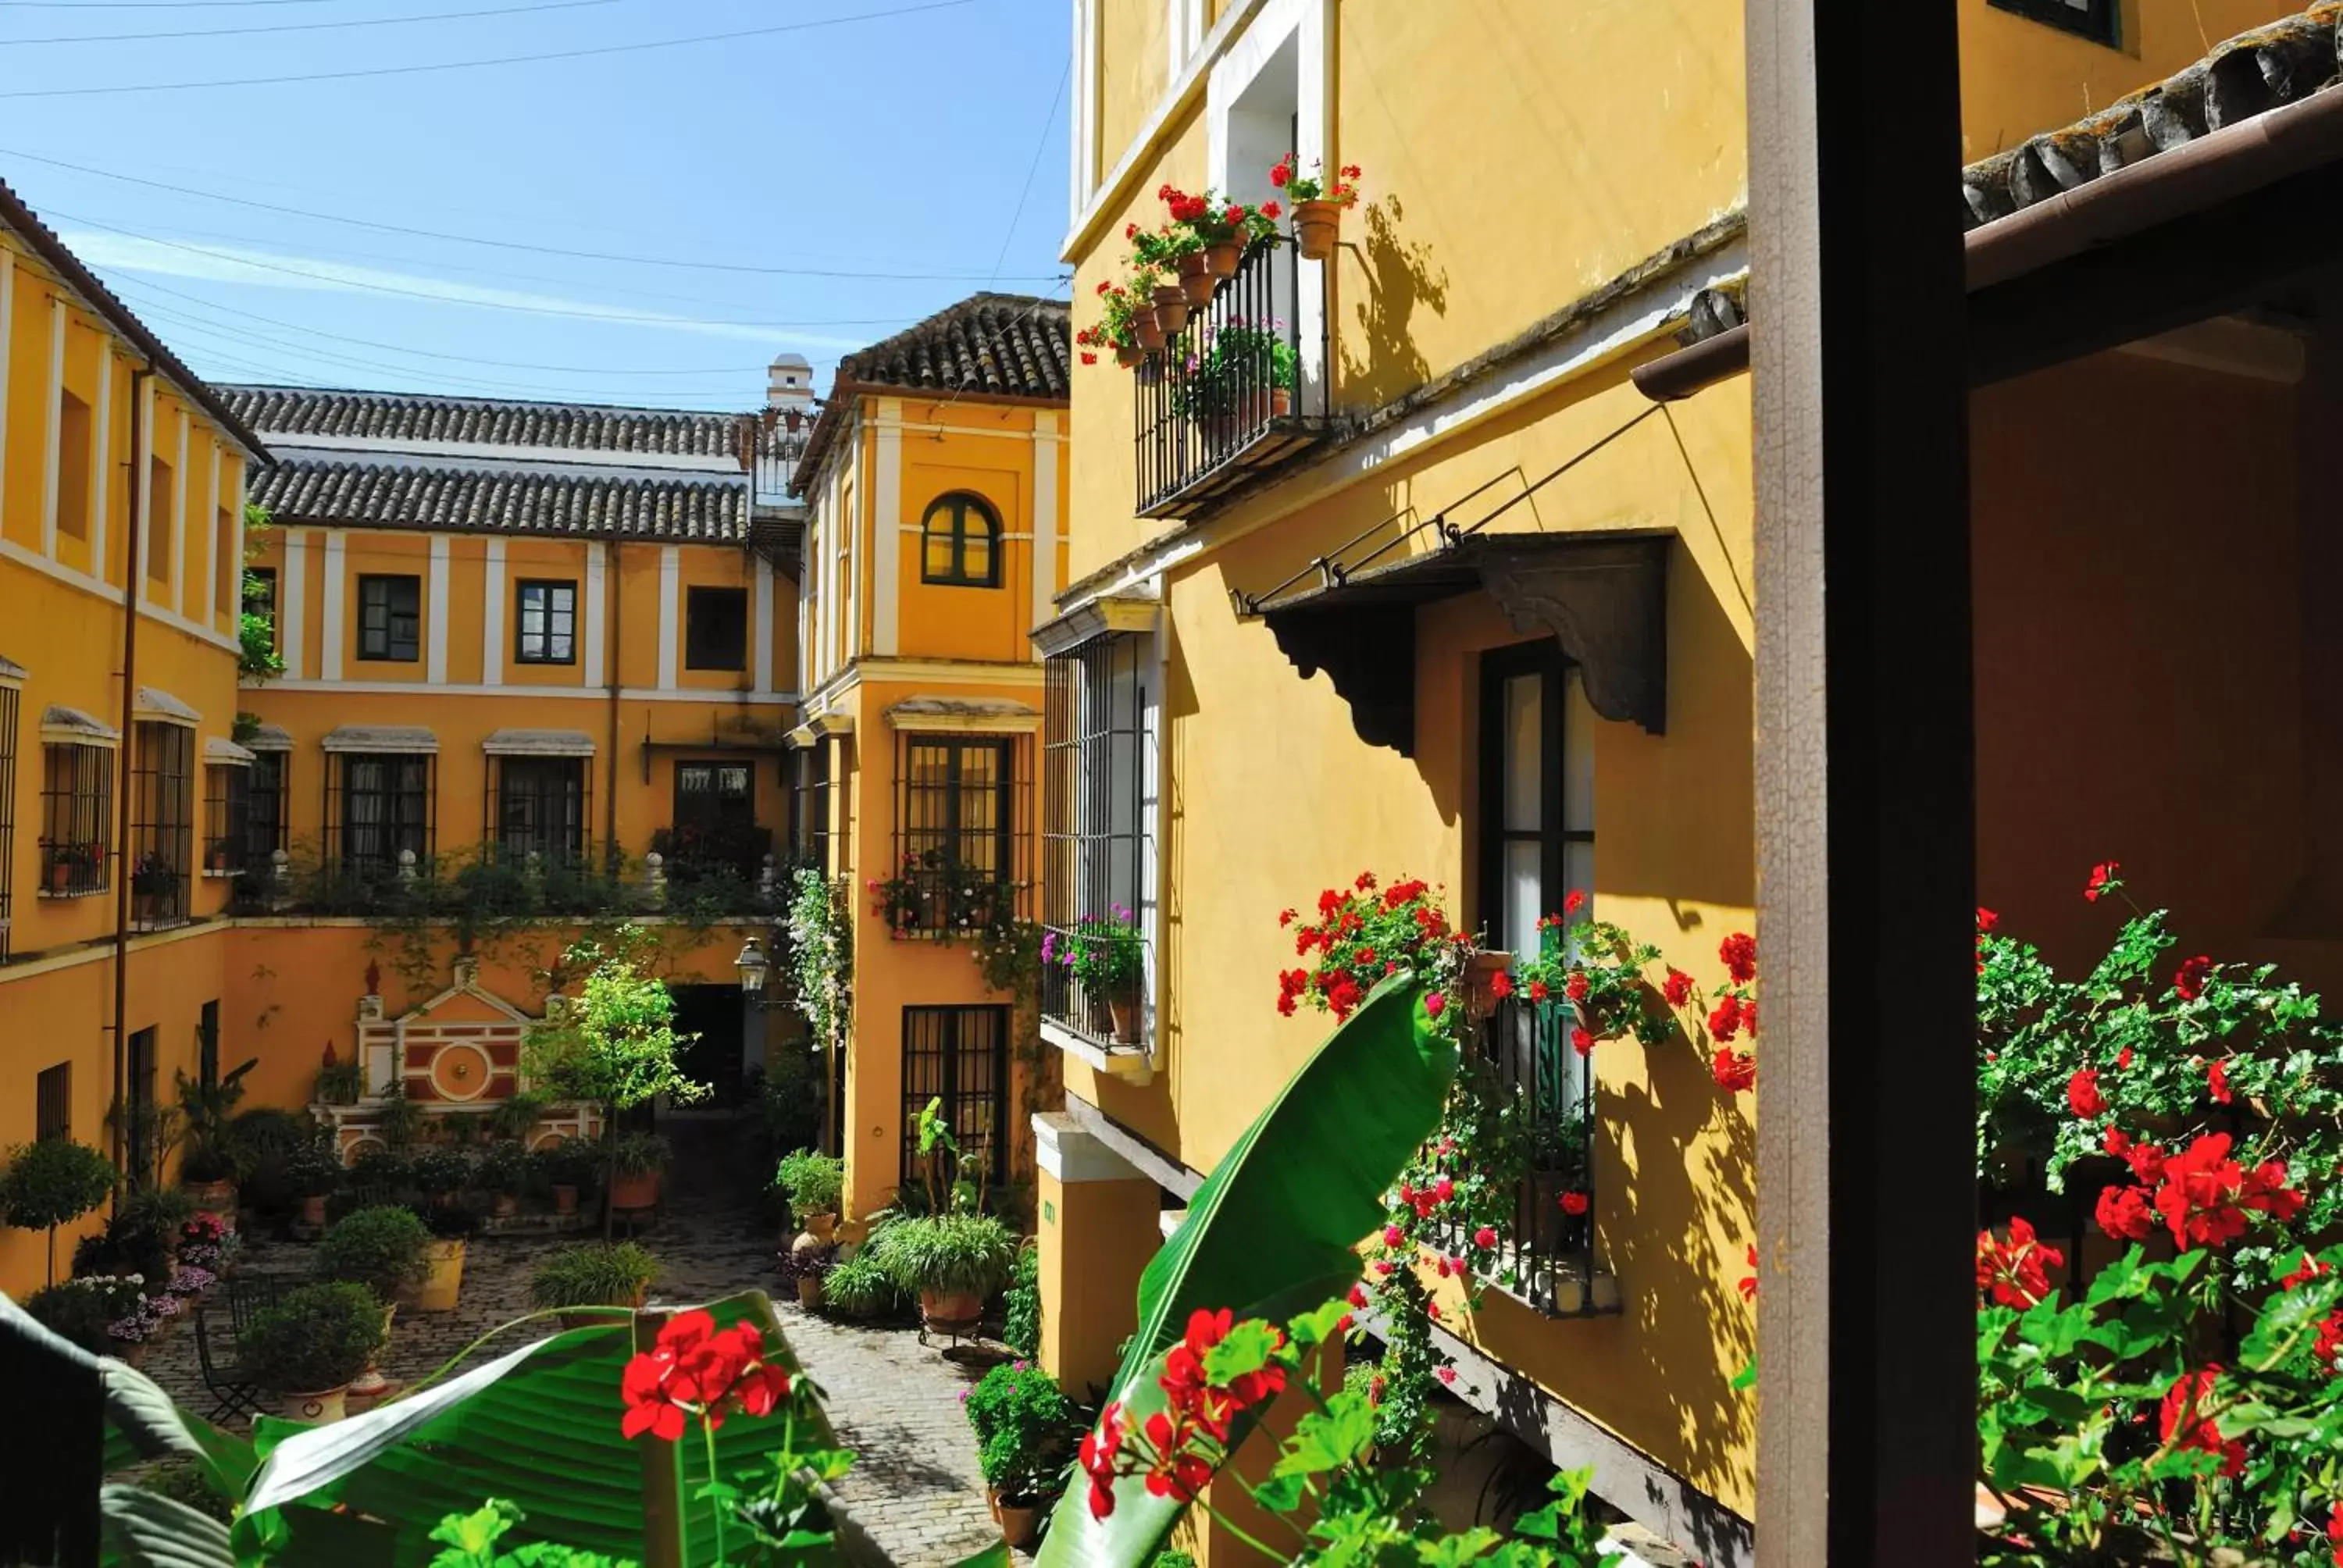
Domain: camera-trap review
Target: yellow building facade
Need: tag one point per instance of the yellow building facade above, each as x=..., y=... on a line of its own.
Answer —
x=935, y=479
x=1462, y=602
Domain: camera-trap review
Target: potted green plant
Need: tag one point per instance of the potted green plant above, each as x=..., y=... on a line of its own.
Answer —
x=340, y=1083
x=73, y=868
x=855, y=1286
x=313, y=1343
x=516, y=1117
x=1025, y=1431
x=593, y=1274
x=51, y=1183
x=452, y=1227
x=1106, y=958
x=440, y=1174
x=397, y=1119
x=104, y=1314
x=814, y=1182
x=266, y=1138
x=1318, y=204
x=152, y=879
x=503, y=1173
x=210, y=1162
x=382, y=1248
x=314, y=1173
x=803, y=1265
x=567, y=1167
x=637, y=1160
x=952, y=1263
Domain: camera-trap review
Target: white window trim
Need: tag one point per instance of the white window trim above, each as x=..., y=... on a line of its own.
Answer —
x=1239, y=65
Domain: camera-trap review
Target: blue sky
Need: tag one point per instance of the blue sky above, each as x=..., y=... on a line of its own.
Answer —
x=879, y=160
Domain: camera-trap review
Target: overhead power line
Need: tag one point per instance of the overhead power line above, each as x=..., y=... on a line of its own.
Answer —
x=146, y=4
x=593, y=52
x=301, y=26
x=413, y=233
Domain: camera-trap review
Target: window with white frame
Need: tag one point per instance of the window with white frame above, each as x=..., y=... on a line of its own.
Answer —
x=1097, y=854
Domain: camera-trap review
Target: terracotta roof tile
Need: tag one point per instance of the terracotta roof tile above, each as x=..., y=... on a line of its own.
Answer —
x=288, y=413
x=680, y=508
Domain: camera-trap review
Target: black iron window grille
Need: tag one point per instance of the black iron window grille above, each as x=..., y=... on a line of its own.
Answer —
x=390, y=618
x=227, y=819
x=1538, y=790
x=162, y=821
x=142, y=1126
x=714, y=825
x=8, y=703
x=266, y=808
x=2097, y=20
x=1539, y=1096
x=959, y=542
x=379, y=807
x=1227, y=397
x=53, y=1103
x=1094, y=817
x=546, y=622
x=958, y=860
x=715, y=629
x=537, y=807
x=958, y=1055
x=76, y=819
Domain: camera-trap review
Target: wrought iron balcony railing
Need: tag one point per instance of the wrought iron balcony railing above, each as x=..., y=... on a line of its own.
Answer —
x=1230, y=395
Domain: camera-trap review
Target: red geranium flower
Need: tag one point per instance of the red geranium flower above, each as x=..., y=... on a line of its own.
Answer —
x=2217, y=1079
x=1434, y=1004
x=2101, y=875
x=1987, y=919
x=1739, y=952
x=2183, y=1425
x=2082, y=1096
x=1580, y=1041
x=2189, y=983
x=1537, y=991
x=2015, y=1271
x=1724, y=1020
x=1270, y=209
x=1500, y=985
x=1677, y=987
x=1575, y=988
x=1574, y=1203
x=1485, y=1238
x=1572, y=902
x=1735, y=1071
x=2124, y=1214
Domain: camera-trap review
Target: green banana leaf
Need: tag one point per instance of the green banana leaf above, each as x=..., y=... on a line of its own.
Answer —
x=1274, y=1229
x=537, y=1425
x=145, y=1530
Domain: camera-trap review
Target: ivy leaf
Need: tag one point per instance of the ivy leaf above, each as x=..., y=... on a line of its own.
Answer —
x=1329, y=1439
x=1280, y=1494
x=1314, y=1328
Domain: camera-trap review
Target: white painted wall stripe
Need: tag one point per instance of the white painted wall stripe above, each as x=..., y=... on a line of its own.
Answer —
x=330, y=624
x=291, y=591
x=222, y=538
x=234, y=545
x=52, y=385
x=435, y=633
x=597, y=578
x=1045, y=514
x=492, y=614
x=671, y=610
x=763, y=623
x=887, y=529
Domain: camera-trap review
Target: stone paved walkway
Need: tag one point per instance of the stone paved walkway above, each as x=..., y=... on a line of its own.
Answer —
x=915, y=1489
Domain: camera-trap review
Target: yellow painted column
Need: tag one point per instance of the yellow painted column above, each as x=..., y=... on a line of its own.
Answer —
x=1098, y=1221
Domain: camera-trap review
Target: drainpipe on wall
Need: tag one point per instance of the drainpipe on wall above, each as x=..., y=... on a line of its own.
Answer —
x=137, y=526
x=618, y=590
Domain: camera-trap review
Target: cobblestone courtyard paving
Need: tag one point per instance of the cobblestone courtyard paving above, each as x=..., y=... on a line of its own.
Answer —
x=915, y=1490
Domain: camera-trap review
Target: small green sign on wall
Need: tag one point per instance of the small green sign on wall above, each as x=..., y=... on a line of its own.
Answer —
x=1049, y=1213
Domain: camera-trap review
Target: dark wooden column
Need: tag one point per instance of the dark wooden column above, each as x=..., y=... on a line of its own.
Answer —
x=1865, y=829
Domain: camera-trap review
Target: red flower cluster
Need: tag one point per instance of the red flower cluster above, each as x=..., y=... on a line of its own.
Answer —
x=1184, y=208
x=2204, y=1197
x=2189, y=983
x=2328, y=1348
x=2184, y=1423
x=1178, y=1447
x=1731, y=1016
x=1677, y=987
x=2217, y=1080
x=697, y=1368
x=1749, y=1281
x=1575, y=1203
x=1735, y=1071
x=1739, y=952
x=2013, y=1271
x=2335, y=1532
x=2082, y=1096
x=1361, y=934
x=2103, y=879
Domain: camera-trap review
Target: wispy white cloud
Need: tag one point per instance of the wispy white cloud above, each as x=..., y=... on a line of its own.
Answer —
x=104, y=249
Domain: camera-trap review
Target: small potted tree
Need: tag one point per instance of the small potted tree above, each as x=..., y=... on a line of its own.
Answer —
x=314, y=1173
x=813, y=1183
x=211, y=1162
x=593, y=1274
x=312, y=1344
x=637, y=1161
x=503, y=1173
x=567, y=1168
x=51, y=1183
x=382, y=1248
x=1025, y=1431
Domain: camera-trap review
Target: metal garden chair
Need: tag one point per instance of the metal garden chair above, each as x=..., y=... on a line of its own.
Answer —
x=233, y=1385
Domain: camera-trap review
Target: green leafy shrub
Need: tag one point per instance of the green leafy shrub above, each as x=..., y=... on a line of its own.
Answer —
x=813, y=1181
x=385, y=1169
x=471, y=1540
x=1020, y=1305
x=639, y=1154
x=80, y=1310
x=210, y=1150
x=314, y=1171
x=267, y=1139
x=51, y=1183
x=1026, y=1431
x=315, y=1337
x=567, y=1163
x=858, y=1287
x=593, y=1274
x=380, y=1248
x=504, y=1168
x=183, y=1481
x=438, y=1171
x=946, y=1253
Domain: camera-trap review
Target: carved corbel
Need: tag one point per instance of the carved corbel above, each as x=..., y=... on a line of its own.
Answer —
x=1606, y=602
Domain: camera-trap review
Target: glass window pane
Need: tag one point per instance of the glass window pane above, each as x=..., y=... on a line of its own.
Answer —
x=1525, y=721
x=1525, y=898
x=976, y=555
x=561, y=649
x=1578, y=723
x=940, y=556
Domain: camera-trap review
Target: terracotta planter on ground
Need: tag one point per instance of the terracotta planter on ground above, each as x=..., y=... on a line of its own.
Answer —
x=1196, y=281
x=592, y=1320
x=313, y=1211
x=319, y=1408
x=445, y=1282
x=565, y=1198
x=635, y=1192
x=504, y=1205
x=1317, y=228
x=951, y=1311
x=1020, y=1524
x=1171, y=309
x=810, y=1290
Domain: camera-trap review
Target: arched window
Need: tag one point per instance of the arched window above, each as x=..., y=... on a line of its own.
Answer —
x=959, y=542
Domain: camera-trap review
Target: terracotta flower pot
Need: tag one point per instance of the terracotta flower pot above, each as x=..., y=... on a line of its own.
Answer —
x=318, y=1408
x=371, y=1383
x=593, y=1320
x=635, y=1192
x=445, y=1282
x=810, y=1290
x=1317, y=228
x=1196, y=280
x=60, y=877
x=1122, y=1009
x=1171, y=309
x=1020, y=1524
x=1281, y=402
x=565, y=1198
x=133, y=1354
x=1149, y=330
x=1221, y=260
x=313, y=1211
x=1129, y=354
x=951, y=1311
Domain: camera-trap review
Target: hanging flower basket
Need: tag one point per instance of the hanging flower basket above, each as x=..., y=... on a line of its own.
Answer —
x=1171, y=309
x=1318, y=204
x=1129, y=356
x=1196, y=280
